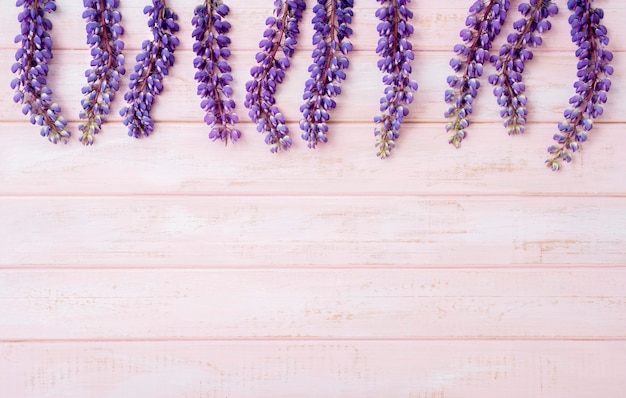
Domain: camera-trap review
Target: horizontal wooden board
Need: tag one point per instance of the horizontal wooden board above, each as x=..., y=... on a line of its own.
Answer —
x=311, y=231
x=419, y=369
x=312, y=304
x=437, y=24
x=548, y=79
x=180, y=159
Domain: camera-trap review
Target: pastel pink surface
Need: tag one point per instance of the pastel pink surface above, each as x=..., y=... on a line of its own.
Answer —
x=175, y=267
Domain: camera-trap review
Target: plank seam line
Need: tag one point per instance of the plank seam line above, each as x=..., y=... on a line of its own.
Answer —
x=245, y=123
x=251, y=126
x=430, y=196
x=326, y=268
x=317, y=339
x=309, y=47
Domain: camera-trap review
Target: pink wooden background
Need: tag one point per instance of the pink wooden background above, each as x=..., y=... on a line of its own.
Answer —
x=175, y=267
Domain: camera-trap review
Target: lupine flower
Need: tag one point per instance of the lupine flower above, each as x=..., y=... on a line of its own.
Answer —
x=513, y=55
x=31, y=87
x=213, y=71
x=153, y=64
x=482, y=26
x=103, y=78
x=593, y=82
x=277, y=47
x=396, y=54
x=331, y=21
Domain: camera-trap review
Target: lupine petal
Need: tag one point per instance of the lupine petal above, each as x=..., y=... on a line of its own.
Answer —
x=212, y=65
x=593, y=82
x=30, y=86
x=281, y=34
x=395, y=55
x=485, y=21
x=329, y=60
x=146, y=83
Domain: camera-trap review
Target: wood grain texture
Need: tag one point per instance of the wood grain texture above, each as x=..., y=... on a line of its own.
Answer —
x=185, y=162
x=322, y=304
x=175, y=267
x=252, y=369
x=290, y=231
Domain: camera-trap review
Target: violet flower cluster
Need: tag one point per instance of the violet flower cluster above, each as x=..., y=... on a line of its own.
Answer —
x=396, y=54
x=277, y=47
x=153, y=64
x=509, y=88
x=213, y=71
x=482, y=26
x=593, y=82
x=107, y=65
x=31, y=66
x=331, y=22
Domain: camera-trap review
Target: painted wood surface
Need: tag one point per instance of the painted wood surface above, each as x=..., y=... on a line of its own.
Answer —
x=251, y=369
x=322, y=304
x=287, y=231
x=176, y=267
x=187, y=163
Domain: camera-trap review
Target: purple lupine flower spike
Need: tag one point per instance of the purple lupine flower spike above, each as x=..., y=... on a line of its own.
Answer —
x=396, y=54
x=213, y=71
x=153, y=64
x=482, y=26
x=509, y=88
x=331, y=22
x=593, y=82
x=107, y=65
x=31, y=66
x=277, y=47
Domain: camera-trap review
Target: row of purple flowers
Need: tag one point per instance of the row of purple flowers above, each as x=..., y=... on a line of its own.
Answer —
x=331, y=40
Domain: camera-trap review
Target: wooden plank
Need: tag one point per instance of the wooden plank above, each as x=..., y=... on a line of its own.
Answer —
x=318, y=304
x=421, y=369
x=181, y=159
x=311, y=231
x=437, y=25
x=549, y=88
